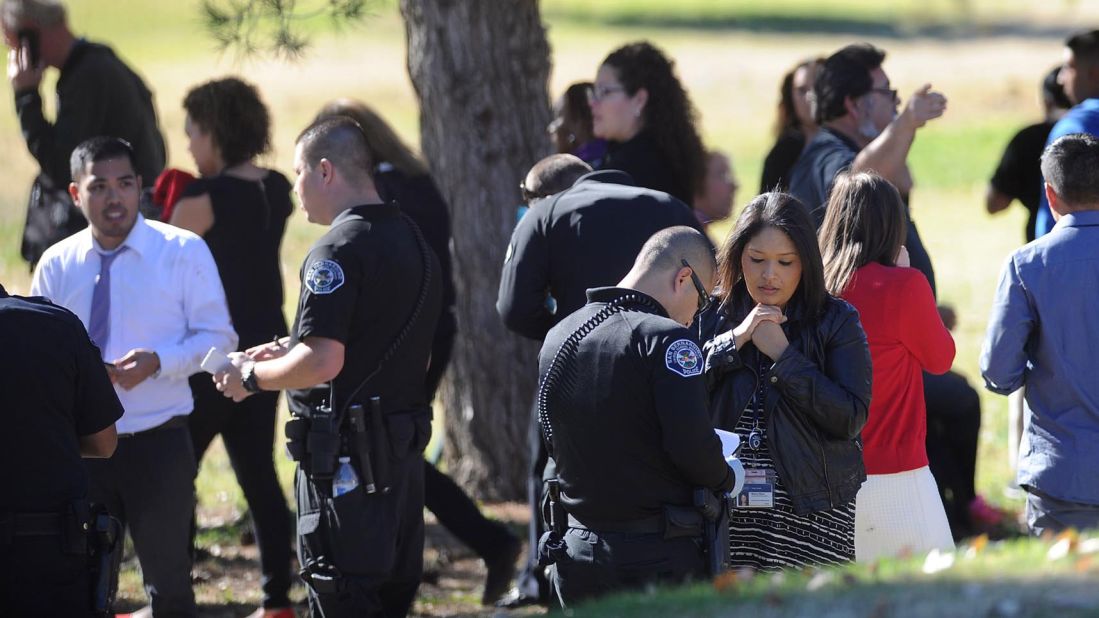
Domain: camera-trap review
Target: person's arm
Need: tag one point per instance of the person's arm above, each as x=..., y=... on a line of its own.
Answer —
x=837, y=396
x=78, y=119
x=99, y=445
x=679, y=399
x=996, y=201
x=524, y=281
x=1010, y=325
x=96, y=406
x=315, y=360
x=205, y=309
x=887, y=153
x=194, y=213
x=922, y=330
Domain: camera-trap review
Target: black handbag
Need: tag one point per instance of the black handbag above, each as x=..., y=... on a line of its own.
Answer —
x=51, y=216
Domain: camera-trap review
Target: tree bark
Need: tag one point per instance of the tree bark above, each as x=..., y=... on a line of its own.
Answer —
x=480, y=71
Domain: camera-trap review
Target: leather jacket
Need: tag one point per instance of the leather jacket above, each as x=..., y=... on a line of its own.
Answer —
x=817, y=398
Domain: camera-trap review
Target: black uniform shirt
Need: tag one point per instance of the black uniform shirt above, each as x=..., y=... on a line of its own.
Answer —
x=55, y=389
x=360, y=284
x=587, y=236
x=633, y=432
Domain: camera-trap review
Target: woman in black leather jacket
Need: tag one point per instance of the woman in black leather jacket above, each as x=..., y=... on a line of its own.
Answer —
x=788, y=369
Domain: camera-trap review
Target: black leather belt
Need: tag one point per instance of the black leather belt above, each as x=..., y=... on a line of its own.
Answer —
x=28, y=524
x=648, y=525
x=172, y=423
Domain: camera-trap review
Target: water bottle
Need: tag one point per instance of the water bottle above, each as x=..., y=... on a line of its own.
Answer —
x=345, y=479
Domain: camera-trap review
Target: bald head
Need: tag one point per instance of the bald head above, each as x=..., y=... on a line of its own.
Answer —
x=553, y=175
x=668, y=248
x=340, y=140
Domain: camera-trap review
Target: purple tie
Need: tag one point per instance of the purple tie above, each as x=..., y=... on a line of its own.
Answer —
x=99, y=322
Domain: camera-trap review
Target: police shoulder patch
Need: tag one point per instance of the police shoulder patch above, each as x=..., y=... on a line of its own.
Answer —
x=324, y=277
x=684, y=358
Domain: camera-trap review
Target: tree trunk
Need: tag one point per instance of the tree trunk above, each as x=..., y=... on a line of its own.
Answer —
x=480, y=70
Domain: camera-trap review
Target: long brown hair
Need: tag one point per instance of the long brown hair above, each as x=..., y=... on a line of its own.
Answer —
x=385, y=146
x=785, y=213
x=864, y=222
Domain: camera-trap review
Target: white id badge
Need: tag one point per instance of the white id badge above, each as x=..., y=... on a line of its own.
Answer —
x=759, y=489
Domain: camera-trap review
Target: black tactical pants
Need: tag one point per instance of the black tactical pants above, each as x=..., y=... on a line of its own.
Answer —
x=37, y=578
x=600, y=563
x=374, y=541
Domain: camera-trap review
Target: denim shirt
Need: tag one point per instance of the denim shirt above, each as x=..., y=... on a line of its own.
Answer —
x=1044, y=333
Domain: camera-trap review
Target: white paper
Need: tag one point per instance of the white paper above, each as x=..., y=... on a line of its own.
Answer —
x=215, y=361
x=730, y=442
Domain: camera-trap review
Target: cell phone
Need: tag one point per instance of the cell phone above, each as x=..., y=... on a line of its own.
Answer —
x=28, y=39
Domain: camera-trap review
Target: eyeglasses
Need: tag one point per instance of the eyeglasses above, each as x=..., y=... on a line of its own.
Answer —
x=889, y=92
x=598, y=93
x=703, y=297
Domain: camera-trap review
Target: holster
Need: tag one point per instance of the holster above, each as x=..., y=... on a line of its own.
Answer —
x=713, y=510
x=551, y=546
x=104, y=536
x=321, y=576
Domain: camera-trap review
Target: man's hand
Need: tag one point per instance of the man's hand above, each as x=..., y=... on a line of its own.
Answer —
x=134, y=368
x=21, y=74
x=228, y=381
x=267, y=351
x=924, y=105
x=770, y=339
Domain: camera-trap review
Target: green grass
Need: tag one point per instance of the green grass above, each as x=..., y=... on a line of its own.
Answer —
x=1014, y=578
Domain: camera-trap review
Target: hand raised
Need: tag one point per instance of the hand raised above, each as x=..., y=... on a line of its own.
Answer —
x=925, y=105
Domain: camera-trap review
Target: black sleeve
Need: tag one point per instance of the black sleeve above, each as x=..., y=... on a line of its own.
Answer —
x=1011, y=173
x=330, y=289
x=524, y=281
x=679, y=398
x=77, y=120
x=97, y=406
x=837, y=396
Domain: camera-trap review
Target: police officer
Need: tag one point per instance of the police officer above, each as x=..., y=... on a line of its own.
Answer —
x=581, y=235
x=59, y=406
x=354, y=367
x=622, y=408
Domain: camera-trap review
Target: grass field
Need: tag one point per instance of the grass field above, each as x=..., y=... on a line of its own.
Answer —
x=987, y=56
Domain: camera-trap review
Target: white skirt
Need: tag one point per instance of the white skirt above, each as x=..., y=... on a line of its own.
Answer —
x=900, y=514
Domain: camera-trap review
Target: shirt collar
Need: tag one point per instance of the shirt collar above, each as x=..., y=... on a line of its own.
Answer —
x=847, y=141
x=609, y=294
x=615, y=177
x=137, y=241
x=1080, y=218
x=369, y=212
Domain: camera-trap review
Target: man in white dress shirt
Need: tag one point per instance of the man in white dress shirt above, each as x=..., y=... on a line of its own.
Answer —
x=151, y=298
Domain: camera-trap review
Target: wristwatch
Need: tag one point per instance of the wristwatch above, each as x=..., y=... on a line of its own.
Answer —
x=248, y=378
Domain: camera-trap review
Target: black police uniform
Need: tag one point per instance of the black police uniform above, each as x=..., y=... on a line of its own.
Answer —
x=585, y=237
x=363, y=285
x=55, y=390
x=622, y=407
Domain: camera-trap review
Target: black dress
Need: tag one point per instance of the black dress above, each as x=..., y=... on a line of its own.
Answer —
x=249, y=221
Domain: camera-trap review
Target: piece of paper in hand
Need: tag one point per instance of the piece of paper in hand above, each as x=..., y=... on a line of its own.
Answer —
x=215, y=361
x=730, y=442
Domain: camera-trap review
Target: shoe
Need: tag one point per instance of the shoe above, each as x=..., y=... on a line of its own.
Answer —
x=144, y=612
x=984, y=515
x=515, y=598
x=278, y=612
x=501, y=569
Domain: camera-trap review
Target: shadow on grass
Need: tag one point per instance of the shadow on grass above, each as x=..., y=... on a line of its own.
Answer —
x=947, y=28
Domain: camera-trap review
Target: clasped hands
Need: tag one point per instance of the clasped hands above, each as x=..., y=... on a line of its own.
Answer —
x=763, y=327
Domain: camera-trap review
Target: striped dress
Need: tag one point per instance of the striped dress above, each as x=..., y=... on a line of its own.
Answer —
x=774, y=539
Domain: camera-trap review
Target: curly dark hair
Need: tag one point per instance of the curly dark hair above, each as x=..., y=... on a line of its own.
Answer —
x=668, y=114
x=233, y=113
x=845, y=74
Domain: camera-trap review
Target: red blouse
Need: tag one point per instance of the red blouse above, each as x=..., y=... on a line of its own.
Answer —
x=907, y=337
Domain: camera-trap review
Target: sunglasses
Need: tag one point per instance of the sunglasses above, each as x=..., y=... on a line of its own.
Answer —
x=703, y=297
